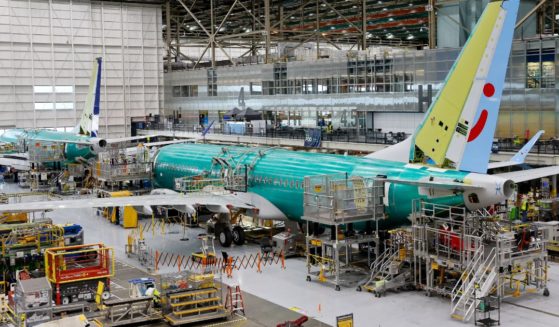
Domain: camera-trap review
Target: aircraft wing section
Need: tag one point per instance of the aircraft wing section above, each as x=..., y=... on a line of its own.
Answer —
x=16, y=160
x=168, y=142
x=215, y=202
x=520, y=156
x=130, y=138
x=530, y=174
x=436, y=183
x=500, y=164
x=84, y=142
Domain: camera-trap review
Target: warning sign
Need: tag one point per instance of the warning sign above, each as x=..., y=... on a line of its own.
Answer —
x=345, y=320
x=359, y=193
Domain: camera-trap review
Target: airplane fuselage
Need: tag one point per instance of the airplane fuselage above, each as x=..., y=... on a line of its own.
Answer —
x=278, y=174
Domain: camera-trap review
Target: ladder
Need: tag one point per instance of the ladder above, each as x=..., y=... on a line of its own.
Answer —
x=382, y=269
x=58, y=177
x=234, y=300
x=478, y=280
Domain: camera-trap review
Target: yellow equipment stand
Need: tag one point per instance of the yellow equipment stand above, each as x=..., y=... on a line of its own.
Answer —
x=13, y=218
x=129, y=214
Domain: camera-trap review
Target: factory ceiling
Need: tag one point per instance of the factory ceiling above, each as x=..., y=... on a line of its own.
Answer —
x=257, y=25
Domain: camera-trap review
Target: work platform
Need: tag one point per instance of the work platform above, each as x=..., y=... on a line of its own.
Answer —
x=120, y=168
x=342, y=257
x=125, y=312
x=466, y=256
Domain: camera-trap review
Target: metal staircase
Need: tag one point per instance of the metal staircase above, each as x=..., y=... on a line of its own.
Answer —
x=384, y=270
x=477, y=280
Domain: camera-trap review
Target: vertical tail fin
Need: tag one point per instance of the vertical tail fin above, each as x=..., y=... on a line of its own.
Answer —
x=458, y=129
x=89, y=122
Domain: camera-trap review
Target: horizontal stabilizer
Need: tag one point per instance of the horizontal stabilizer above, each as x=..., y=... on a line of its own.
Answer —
x=436, y=183
x=530, y=174
x=520, y=156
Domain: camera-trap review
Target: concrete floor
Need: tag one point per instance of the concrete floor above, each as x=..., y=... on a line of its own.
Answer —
x=271, y=293
x=259, y=312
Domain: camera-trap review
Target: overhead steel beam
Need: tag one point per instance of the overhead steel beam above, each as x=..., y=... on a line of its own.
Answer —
x=530, y=13
x=252, y=15
x=291, y=13
x=226, y=16
x=196, y=20
x=467, y=30
x=202, y=55
x=233, y=36
x=343, y=16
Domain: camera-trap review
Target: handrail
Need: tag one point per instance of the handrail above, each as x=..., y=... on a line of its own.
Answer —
x=471, y=285
x=474, y=264
x=380, y=265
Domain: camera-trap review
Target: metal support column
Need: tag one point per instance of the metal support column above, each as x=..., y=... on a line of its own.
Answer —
x=364, y=25
x=317, y=12
x=267, y=29
x=212, y=32
x=432, y=24
x=554, y=186
x=178, y=40
x=168, y=32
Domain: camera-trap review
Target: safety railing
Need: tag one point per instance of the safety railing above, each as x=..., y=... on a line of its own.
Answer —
x=297, y=133
x=479, y=278
x=30, y=237
x=79, y=262
x=122, y=171
x=550, y=146
x=381, y=264
x=463, y=282
x=8, y=148
x=190, y=184
x=340, y=198
x=432, y=211
x=75, y=169
x=46, y=152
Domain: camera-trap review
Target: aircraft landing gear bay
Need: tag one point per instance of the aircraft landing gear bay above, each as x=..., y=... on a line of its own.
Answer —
x=225, y=231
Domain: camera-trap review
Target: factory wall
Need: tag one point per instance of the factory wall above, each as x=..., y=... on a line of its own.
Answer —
x=368, y=90
x=47, y=51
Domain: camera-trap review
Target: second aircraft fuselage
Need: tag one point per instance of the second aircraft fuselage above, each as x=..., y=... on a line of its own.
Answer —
x=39, y=137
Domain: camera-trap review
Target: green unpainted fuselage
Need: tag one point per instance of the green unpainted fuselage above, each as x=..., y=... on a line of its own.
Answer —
x=71, y=151
x=278, y=174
